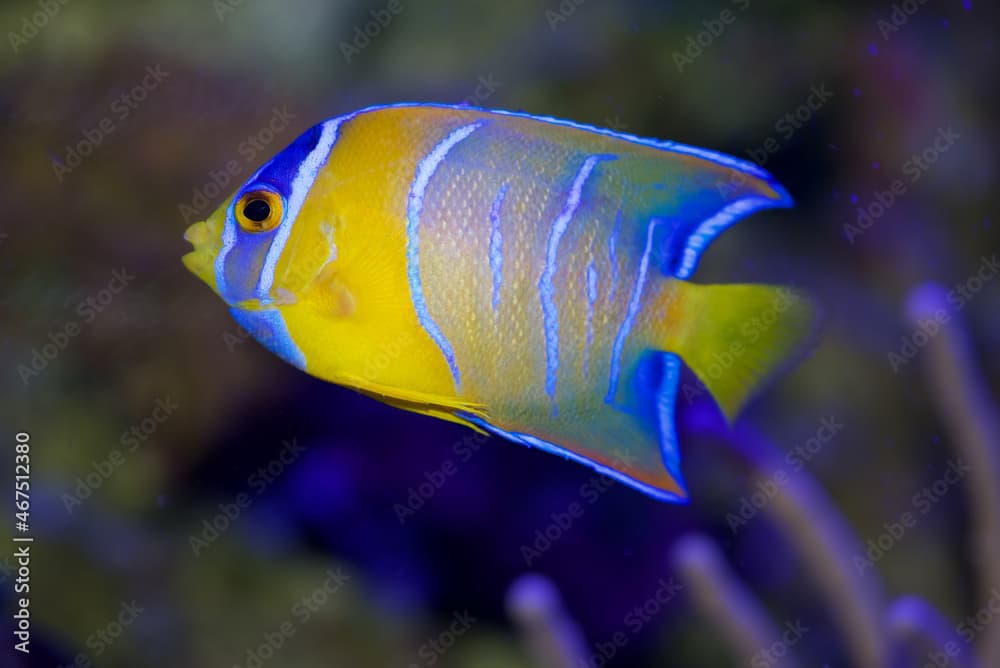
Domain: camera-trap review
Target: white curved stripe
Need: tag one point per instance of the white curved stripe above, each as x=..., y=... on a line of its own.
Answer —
x=550, y=313
x=496, y=245
x=415, y=205
x=710, y=228
x=229, y=238
x=591, y=298
x=299, y=188
x=612, y=256
x=631, y=313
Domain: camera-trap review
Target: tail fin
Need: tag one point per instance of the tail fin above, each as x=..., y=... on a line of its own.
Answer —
x=734, y=336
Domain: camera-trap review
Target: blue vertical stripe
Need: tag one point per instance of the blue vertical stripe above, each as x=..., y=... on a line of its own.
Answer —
x=415, y=205
x=630, y=315
x=297, y=191
x=666, y=399
x=496, y=244
x=550, y=314
x=613, y=257
x=591, y=298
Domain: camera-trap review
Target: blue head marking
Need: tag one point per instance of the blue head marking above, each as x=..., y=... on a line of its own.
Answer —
x=245, y=266
x=269, y=328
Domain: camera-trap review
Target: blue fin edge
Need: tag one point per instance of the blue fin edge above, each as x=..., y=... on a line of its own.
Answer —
x=713, y=226
x=712, y=156
x=707, y=230
x=552, y=448
x=666, y=401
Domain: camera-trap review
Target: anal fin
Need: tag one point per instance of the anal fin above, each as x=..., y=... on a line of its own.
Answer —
x=634, y=443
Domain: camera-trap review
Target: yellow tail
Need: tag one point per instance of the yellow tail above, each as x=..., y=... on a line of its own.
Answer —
x=733, y=336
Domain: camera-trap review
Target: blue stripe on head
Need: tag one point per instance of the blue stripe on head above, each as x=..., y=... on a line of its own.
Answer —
x=269, y=329
x=306, y=168
x=243, y=263
x=246, y=263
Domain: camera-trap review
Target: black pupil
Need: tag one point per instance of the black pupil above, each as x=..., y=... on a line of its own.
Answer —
x=257, y=210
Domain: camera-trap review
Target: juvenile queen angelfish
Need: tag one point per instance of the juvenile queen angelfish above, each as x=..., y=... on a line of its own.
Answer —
x=521, y=275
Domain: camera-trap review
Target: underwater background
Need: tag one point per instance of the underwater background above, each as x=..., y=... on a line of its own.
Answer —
x=197, y=502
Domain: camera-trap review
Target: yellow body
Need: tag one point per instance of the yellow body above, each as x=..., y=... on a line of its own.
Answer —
x=543, y=300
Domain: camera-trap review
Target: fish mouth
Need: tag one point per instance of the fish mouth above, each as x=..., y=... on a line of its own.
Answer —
x=207, y=241
x=206, y=238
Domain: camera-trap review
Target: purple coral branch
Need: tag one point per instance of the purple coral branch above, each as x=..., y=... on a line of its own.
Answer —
x=551, y=637
x=919, y=625
x=971, y=416
x=723, y=598
x=829, y=548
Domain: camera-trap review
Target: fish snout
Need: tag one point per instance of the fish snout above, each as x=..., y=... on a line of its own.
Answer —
x=201, y=260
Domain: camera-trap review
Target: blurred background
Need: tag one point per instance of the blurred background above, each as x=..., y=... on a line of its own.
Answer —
x=197, y=502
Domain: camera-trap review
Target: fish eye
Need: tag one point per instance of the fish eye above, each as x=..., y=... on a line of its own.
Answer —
x=259, y=210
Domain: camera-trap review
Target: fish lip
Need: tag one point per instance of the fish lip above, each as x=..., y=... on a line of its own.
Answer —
x=198, y=234
x=200, y=260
